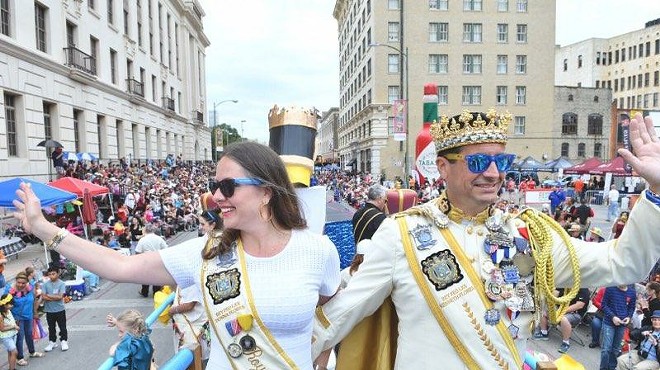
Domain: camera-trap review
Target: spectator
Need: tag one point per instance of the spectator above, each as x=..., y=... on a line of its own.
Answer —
x=134, y=350
x=584, y=214
x=612, y=201
x=597, y=318
x=24, y=309
x=3, y=262
x=619, y=224
x=8, y=329
x=571, y=318
x=57, y=156
x=150, y=242
x=646, y=356
x=578, y=185
x=367, y=219
x=618, y=307
x=596, y=235
x=53, y=296
x=557, y=197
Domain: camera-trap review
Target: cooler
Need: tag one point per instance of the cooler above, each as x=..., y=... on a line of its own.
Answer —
x=75, y=289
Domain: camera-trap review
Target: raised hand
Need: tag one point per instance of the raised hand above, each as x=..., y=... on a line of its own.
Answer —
x=646, y=148
x=28, y=208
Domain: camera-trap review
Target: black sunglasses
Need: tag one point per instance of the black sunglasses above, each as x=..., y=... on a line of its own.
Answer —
x=228, y=185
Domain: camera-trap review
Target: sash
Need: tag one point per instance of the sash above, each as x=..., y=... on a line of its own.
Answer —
x=228, y=301
x=443, y=322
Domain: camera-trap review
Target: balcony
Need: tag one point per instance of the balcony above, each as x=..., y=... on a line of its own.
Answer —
x=168, y=104
x=135, y=88
x=83, y=66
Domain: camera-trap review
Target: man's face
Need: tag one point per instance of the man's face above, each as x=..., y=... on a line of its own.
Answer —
x=655, y=322
x=472, y=192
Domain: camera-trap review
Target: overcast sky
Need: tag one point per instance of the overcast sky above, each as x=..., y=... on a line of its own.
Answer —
x=266, y=52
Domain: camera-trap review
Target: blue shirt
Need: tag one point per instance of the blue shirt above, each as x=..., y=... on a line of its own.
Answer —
x=54, y=287
x=133, y=353
x=23, y=303
x=619, y=303
x=648, y=347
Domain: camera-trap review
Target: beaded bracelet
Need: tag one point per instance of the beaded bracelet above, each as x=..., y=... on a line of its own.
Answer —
x=653, y=197
x=54, y=243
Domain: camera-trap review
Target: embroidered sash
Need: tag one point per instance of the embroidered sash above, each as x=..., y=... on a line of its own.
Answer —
x=450, y=267
x=227, y=295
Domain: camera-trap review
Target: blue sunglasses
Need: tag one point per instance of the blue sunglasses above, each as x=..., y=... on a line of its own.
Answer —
x=228, y=186
x=479, y=162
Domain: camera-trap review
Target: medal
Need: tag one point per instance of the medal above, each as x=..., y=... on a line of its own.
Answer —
x=423, y=237
x=247, y=343
x=513, y=330
x=522, y=245
x=234, y=350
x=525, y=263
x=511, y=275
x=513, y=304
x=492, y=316
x=494, y=222
x=441, y=220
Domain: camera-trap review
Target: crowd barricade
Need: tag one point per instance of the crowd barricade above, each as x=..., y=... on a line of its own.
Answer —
x=594, y=197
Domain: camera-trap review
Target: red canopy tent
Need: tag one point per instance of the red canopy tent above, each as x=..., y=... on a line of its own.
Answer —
x=584, y=167
x=616, y=167
x=78, y=187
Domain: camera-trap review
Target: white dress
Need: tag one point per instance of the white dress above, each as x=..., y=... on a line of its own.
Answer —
x=285, y=287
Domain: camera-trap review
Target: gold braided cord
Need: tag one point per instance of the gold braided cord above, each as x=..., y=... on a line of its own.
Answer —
x=540, y=239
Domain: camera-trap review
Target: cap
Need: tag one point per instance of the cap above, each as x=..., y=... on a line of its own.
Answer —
x=597, y=231
x=656, y=314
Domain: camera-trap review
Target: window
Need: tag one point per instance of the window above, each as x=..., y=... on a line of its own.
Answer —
x=439, y=4
x=521, y=5
x=565, y=65
x=579, y=61
x=646, y=100
x=392, y=94
x=91, y=4
x=655, y=100
x=438, y=32
x=471, y=95
x=94, y=52
x=5, y=17
x=598, y=150
x=521, y=95
x=153, y=88
x=10, y=125
x=77, y=123
x=70, y=34
x=596, y=99
x=111, y=15
x=502, y=61
x=564, y=149
x=570, y=97
x=472, y=32
x=581, y=149
x=569, y=124
x=502, y=5
x=472, y=64
x=113, y=66
x=521, y=64
x=393, y=63
x=521, y=33
x=139, y=22
x=502, y=33
x=501, y=95
x=438, y=63
x=40, y=26
x=126, y=18
x=393, y=4
x=519, y=125
x=443, y=95
x=48, y=128
x=393, y=31
x=472, y=5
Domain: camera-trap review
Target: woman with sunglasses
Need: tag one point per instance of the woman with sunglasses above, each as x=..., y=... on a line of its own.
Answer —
x=261, y=279
x=467, y=279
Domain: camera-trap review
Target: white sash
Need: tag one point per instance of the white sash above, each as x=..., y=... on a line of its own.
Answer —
x=227, y=294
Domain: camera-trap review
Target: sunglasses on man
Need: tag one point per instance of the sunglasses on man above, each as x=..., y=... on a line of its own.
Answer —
x=479, y=162
x=228, y=186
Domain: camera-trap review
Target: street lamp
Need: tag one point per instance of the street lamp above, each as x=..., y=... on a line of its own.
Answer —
x=215, y=118
x=404, y=57
x=242, y=130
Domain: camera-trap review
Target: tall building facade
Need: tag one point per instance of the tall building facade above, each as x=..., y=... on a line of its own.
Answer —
x=481, y=54
x=112, y=78
x=326, y=136
x=627, y=64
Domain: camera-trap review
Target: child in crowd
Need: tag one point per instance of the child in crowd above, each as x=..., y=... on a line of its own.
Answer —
x=53, y=296
x=134, y=350
x=8, y=329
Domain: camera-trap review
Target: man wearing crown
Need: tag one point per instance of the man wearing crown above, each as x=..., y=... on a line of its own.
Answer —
x=467, y=280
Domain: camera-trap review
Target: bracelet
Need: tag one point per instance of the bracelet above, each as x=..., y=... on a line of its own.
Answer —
x=653, y=197
x=54, y=243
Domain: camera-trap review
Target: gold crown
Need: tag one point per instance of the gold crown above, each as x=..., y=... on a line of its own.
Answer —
x=470, y=128
x=292, y=116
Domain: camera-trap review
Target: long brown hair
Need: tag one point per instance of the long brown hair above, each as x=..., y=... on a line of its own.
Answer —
x=263, y=163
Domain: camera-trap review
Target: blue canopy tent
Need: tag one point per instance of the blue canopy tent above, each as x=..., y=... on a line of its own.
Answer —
x=48, y=195
x=555, y=165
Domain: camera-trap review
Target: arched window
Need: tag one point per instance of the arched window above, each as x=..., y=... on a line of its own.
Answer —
x=581, y=149
x=595, y=124
x=569, y=124
x=579, y=61
x=570, y=97
x=564, y=149
x=598, y=150
x=565, y=65
x=595, y=98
